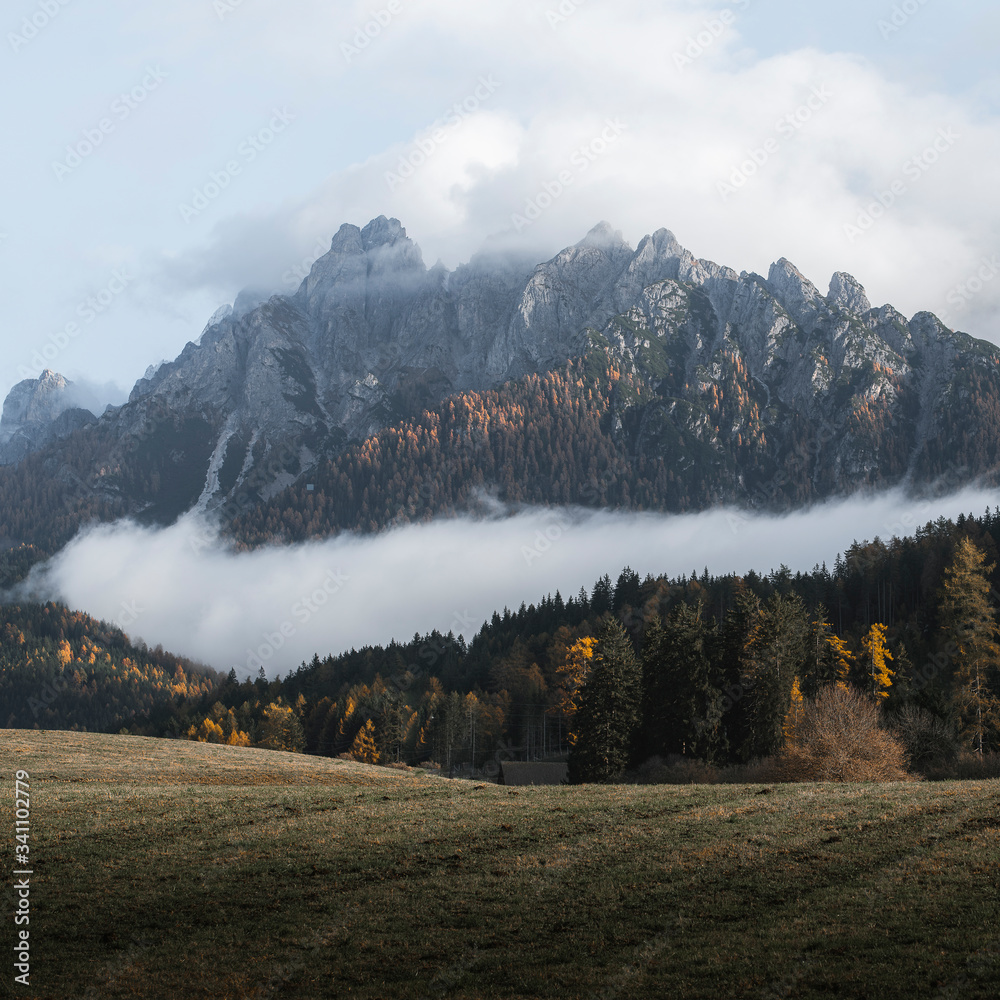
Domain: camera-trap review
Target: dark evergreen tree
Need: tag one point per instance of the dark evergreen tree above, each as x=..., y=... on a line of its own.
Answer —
x=682, y=700
x=608, y=718
x=970, y=623
x=773, y=657
x=828, y=661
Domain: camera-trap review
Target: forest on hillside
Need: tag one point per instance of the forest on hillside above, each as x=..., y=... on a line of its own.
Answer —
x=62, y=669
x=711, y=668
x=708, y=668
x=633, y=428
x=613, y=429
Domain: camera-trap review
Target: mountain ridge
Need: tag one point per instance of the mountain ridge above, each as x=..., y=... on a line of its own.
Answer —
x=724, y=376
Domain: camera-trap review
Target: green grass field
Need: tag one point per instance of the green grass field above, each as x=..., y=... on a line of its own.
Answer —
x=175, y=870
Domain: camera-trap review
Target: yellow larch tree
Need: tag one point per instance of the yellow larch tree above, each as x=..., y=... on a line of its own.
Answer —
x=572, y=673
x=877, y=654
x=842, y=658
x=363, y=748
x=795, y=712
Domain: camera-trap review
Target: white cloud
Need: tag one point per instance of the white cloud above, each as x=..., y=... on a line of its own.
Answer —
x=688, y=131
x=688, y=128
x=277, y=606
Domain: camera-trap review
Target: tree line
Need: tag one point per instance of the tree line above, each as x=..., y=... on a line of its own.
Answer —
x=704, y=667
x=710, y=668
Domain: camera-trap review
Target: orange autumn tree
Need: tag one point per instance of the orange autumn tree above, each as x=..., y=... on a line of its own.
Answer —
x=795, y=712
x=364, y=748
x=877, y=654
x=830, y=660
x=572, y=673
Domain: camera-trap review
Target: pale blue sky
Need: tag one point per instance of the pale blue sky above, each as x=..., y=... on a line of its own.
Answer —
x=208, y=75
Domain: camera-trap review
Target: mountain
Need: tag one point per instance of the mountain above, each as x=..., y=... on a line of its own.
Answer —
x=36, y=412
x=607, y=375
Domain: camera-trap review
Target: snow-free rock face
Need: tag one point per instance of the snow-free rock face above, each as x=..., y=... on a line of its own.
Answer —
x=37, y=411
x=373, y=335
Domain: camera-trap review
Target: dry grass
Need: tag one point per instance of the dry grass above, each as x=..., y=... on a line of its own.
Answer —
x=965, y=767
x=177, y=870
x=678, y=770
x=86, y=757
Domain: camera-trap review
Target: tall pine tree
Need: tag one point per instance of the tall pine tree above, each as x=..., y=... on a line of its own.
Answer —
x=682, y=700
x=608, y=717
x=774, y=656
x=969, y=620
x=829, y=660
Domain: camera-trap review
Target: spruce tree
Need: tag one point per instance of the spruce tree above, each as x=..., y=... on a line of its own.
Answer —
x=774, y=656
x=969, y=620
x=829, y=660
x=608, y=717
x=682, y=701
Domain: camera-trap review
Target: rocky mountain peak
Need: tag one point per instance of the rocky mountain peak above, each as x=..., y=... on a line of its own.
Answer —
x=33, y=415
x=847, y=293
x=604, y=237
x=383, y=232
x=372, y=336
x=356, y=255
x=800, y=297
x=34, y=400
x=347, y=241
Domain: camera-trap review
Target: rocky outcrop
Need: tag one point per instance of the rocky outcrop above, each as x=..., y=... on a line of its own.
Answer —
x=373, y=335
x=37, y=412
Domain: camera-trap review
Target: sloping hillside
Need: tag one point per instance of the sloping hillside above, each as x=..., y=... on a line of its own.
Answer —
x=166, y=870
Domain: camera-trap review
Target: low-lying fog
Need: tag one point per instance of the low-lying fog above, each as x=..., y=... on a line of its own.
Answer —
x=276, y=607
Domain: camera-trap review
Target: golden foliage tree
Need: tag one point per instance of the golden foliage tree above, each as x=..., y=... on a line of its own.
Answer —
x=364, y=747
x=796, y=710
x=207, y=732
x=877, y=654
x=572, y=674
x=281, y=729
x=830, y=660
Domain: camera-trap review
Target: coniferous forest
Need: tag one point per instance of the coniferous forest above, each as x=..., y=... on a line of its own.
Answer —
x=691, y=668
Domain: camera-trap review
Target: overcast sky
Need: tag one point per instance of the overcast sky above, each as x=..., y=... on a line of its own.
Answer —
x=158, y=157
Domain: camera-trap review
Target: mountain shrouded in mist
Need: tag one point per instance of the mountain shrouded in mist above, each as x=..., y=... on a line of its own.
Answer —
x=383, y=391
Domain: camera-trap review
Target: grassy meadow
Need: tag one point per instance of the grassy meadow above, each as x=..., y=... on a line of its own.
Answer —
x=179, y=870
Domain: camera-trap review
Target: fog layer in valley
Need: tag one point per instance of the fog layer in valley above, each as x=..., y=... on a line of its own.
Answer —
x=277, y=606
